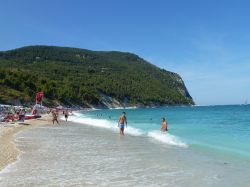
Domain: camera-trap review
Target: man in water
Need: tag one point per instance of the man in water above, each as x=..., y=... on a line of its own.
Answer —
x=121, y=123
x=164, y=125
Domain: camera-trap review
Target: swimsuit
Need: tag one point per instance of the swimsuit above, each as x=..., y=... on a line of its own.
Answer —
x=122, y=126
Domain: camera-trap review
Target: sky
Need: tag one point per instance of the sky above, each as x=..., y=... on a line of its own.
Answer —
x=206, y=42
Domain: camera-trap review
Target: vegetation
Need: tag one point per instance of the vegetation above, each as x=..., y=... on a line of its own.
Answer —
x=78, y=76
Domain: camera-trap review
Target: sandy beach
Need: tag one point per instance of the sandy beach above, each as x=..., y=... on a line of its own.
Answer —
x=74, y=154
x=8, y=150
x=84, y=154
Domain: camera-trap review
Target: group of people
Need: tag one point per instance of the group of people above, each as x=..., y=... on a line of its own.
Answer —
x=18, y=113
x=55, y=115
x=123, y=121
x=12, y=114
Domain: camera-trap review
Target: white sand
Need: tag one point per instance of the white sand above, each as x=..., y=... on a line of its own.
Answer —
x=8, y=150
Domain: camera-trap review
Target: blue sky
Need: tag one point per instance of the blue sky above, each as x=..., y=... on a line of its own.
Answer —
x=206, y=42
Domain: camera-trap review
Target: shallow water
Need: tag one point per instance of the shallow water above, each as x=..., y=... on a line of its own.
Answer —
x=81, y=155
x=223, y=130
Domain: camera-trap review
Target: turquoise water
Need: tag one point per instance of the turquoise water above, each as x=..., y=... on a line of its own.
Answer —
x=205, y=147
x=221, y=130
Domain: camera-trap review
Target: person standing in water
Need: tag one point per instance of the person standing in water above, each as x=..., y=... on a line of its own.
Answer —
x=164, y=125
x=121, y=123
x=66, y=115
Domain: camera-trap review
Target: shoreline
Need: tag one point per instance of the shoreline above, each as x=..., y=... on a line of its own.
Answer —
x=8, y=151
x=96, y=154
x=62, y=154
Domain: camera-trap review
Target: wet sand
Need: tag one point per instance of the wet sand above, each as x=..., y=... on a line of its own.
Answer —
x=8, y=150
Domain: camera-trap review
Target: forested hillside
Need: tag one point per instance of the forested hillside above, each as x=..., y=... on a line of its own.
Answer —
x=73, y=76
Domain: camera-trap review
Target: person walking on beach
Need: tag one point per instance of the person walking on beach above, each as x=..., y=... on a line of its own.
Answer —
x=121, y=123
x=66, y=115
x=164, y=125
x=55, y=116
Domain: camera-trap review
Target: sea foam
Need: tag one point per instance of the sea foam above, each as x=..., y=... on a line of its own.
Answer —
x=167, y=138
x=111, y=125
x=102, y=123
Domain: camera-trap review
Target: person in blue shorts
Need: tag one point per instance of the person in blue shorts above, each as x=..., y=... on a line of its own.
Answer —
x=122, y=122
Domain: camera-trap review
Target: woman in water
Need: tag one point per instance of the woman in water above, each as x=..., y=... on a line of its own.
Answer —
x=164, y=125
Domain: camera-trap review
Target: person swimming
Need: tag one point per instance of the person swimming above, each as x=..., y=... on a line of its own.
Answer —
x=164, y=125
x=121, y=123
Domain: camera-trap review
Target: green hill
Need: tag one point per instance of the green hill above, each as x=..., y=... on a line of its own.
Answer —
x=73, y=76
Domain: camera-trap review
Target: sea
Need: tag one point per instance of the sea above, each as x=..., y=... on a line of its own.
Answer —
x=205, y=146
